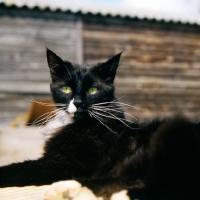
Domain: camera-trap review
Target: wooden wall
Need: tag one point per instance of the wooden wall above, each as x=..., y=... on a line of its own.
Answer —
x=160, y=65
x=24, y=70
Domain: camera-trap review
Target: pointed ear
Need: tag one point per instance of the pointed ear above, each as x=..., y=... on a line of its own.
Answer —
x=107, y=70
x=58, y=67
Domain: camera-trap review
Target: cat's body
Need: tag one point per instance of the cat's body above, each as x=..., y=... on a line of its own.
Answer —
x=164, y=164
x=103, y=150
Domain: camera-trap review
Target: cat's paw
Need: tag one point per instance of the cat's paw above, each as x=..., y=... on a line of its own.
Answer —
x=68, y=190
x=122, y=195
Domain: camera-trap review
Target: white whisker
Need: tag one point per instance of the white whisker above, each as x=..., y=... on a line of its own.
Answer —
x=44, y=104
x=108, y=106
x=108, y=109
x=107, y=112
x=96, y=117
x=114, y=117
x=112, y=102
x=45, y=116
x=115, y=103
x=120, y=97
x=42, y=117
x=56, y=117
x=45, y=120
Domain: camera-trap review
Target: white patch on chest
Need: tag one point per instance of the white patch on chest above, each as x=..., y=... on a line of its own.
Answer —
x=71, y=108
x=61, y=119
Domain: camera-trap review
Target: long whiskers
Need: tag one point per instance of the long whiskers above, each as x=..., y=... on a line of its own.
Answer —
x=120, y=97
x=46, y=117
x=109, y=103
x=105, y=109
x=110, y=110
x=44, y=104
x=112, y=116
x=104, y=112
x=51, y=117
x=99, y=119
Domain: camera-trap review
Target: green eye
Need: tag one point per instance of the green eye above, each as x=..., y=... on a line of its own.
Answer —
x=66, y=89
x=92, y=90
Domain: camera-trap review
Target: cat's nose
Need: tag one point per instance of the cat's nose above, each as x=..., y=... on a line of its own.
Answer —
x=77, y=102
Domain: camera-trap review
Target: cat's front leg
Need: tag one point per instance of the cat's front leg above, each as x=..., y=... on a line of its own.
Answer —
x=35, y=172
x=72, y=190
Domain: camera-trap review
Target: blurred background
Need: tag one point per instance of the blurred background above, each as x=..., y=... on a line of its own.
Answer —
x=160, y=40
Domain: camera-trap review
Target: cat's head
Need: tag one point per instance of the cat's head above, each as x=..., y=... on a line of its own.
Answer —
x=79, y=87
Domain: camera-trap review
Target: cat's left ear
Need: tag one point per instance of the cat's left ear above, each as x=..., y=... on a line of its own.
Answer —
x=107, y=70
x=58, y=67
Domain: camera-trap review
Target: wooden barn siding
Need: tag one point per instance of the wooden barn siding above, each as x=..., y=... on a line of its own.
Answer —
x=160, y=71
x=23, y=67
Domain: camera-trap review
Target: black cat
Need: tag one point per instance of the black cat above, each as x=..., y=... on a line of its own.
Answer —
x=78, y=148
x=103, y=150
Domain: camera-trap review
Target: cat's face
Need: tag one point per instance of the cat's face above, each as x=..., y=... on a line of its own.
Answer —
x=79, y=87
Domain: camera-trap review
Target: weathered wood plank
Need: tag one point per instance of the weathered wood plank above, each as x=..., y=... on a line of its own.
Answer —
x=132, y=37
x=23, y=193
x=160, y=70
x=20, y=87
x=11, y=105
x=23, y=44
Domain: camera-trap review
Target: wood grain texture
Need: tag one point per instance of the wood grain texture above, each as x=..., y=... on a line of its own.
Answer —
x=23, y=193
x=23, y=45
x=23, y=67
x=160, y=65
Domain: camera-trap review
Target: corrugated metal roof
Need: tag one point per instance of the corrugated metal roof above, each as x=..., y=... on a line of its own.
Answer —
x=122, y=8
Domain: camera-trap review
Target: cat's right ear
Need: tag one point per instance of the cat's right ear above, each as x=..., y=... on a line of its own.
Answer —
x=58, y=68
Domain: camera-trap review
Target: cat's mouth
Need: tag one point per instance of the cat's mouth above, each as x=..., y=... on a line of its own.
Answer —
x=81, y=115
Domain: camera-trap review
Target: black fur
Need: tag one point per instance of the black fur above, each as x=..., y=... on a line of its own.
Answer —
x=166, y=167
x=152, y=160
